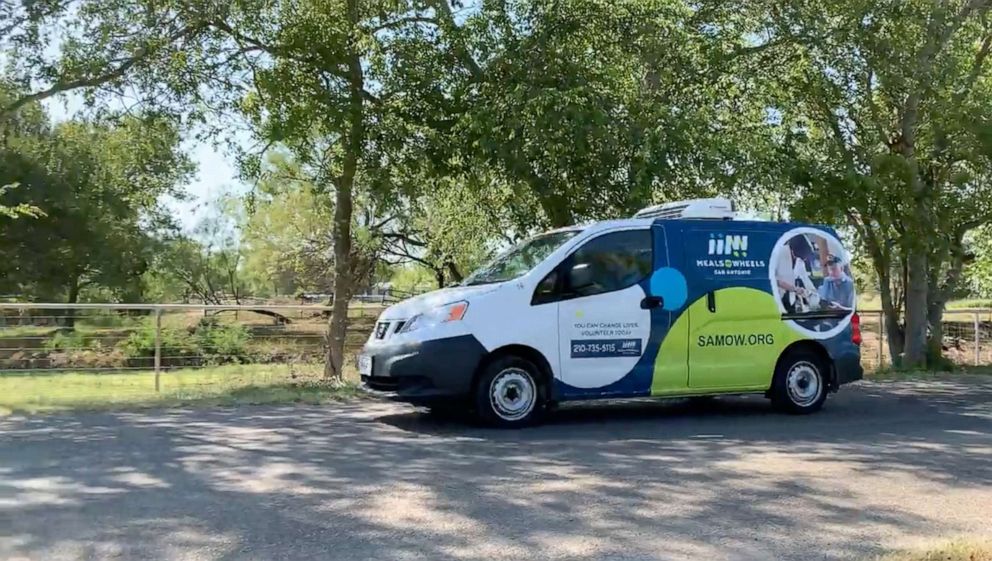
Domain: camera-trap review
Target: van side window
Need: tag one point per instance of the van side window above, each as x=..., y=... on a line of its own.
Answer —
x=608, y=263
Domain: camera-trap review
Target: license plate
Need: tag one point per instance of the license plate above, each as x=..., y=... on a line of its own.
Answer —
x=365, y=365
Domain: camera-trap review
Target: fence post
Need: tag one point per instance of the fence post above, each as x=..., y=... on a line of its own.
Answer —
x=977, y=340
x=158, y=347
x=881, y=340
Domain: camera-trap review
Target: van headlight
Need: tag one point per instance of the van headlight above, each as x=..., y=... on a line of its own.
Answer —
x=442, y=314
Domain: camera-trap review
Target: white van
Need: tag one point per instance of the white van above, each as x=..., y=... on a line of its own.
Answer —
x=681, y=300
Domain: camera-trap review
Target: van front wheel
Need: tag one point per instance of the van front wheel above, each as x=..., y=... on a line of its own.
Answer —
x=800, y=384
x=508, y=393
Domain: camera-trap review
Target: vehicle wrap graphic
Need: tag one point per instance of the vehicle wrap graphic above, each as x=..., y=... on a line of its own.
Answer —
x=722, y=325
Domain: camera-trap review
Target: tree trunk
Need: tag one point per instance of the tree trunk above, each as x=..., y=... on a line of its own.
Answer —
x=942, y=288
x=917, y=271
x=893, y=324
x=439, y=277
x=70, y=313
x=935, y=340
x=337, y=328
x=556, y=208
x=453, y=271
x=914, y=350
x=881, y=259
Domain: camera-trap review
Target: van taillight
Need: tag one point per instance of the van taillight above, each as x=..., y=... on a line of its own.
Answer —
x=856, y=329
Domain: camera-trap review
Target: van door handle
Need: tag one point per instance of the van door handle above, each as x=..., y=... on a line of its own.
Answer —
x=651, y=302
x=711, y=301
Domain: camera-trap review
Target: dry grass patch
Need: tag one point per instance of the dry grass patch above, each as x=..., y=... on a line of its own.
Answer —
x=954, y=551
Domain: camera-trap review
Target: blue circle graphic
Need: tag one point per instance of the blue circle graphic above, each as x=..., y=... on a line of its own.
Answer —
x=670, y=285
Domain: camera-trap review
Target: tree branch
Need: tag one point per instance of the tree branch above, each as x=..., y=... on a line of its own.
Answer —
x=461, y=49
x=402, y=21
x=976, y=69
x=140, y=55
x=404, y=238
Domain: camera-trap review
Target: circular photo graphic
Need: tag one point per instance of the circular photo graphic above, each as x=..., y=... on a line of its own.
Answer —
x=811, y=279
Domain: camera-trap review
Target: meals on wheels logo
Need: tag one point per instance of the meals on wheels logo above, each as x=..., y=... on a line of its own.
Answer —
x=728, y=255
x=728, y=244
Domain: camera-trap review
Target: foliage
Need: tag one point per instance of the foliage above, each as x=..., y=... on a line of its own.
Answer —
x=287, y=232
x=210, y=339
x=412, y=279
x=174, y=342
x=221, y=341
x=451, y=228
x=22, y=209
x=884, y=125
x=978, y=273
x=97, y=185
x=207, y=265
x=66, y=340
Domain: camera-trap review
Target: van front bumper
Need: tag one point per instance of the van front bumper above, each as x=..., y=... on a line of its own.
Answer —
x=424, y=372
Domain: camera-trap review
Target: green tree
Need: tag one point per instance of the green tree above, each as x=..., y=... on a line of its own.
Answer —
x=98, y=185
x=885, y=126
x=344, y=108
x=188, y=269
x=453, y=224
x=287, y=232
x=156, y=54
x=597, y=109
x=561, y=111
x=21, y=209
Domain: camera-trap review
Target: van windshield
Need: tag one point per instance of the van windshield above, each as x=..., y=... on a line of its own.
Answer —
x=519, y=259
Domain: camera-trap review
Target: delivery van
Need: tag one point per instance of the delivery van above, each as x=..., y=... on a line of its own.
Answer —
x=681, y=300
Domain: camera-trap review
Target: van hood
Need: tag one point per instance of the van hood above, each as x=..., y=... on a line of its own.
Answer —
x=430, y=300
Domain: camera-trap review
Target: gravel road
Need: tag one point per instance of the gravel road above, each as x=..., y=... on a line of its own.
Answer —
x=883, y=465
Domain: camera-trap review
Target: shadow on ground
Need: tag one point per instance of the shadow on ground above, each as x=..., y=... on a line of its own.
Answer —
x=731, y=480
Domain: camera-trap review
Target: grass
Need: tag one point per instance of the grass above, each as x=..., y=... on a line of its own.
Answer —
x=889, y=374
x=221, y=385
x=954, y=551
x=969, y=303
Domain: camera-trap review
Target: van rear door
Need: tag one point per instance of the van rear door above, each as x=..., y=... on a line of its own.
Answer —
x=735, y=329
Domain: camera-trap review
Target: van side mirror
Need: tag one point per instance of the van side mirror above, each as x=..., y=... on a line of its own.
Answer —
x=546, y=290
x=580, y=277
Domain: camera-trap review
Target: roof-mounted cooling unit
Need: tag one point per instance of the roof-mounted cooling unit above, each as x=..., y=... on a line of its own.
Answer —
x=717, y=208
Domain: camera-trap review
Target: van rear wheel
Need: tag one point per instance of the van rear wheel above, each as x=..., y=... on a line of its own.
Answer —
x=800, y=383
x=509, y=393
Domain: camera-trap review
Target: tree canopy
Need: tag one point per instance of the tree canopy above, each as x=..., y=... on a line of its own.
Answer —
x=433, y=132
x=96, y=187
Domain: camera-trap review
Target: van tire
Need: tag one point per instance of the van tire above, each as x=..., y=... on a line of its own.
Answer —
x=801, y=382
x=509, y=393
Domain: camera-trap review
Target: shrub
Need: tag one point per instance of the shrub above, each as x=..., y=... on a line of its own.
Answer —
x=222, y=341
x=175, y=343
x=125, y=318
x=66, y=340
x=210, y=340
